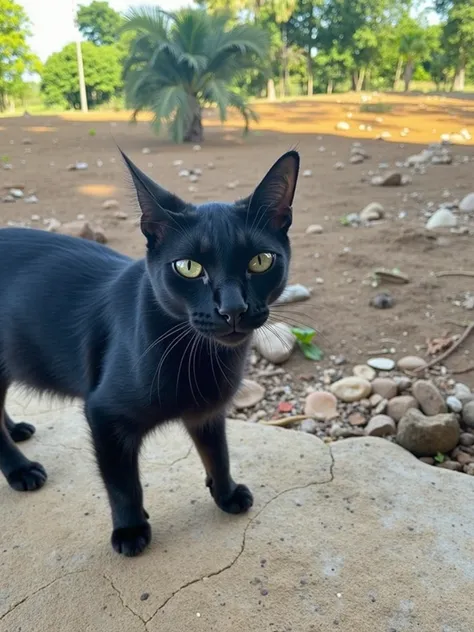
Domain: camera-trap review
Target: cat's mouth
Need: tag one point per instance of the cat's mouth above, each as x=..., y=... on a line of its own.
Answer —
x=233, y=338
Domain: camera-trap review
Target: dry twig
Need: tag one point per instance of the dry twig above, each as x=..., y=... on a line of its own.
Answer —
x=283, y=422
x=449, y=351
x=454, y=273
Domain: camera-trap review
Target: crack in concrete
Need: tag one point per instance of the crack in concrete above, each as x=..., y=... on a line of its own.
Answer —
x=181, y=458
x=125, y=605
x=244, y=536
x=38, y=590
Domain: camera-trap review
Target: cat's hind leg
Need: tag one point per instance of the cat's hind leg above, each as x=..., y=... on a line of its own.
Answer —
x=21, y=473
x=20, y=431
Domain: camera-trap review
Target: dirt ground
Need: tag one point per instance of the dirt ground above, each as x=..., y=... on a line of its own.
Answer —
x=342, y=257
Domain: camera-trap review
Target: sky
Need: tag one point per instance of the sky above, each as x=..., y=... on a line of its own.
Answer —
x=52, y=20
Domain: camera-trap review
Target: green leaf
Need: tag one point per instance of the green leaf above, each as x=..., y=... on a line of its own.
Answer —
x=440, y=458
x=311, y=351
x=303, y=335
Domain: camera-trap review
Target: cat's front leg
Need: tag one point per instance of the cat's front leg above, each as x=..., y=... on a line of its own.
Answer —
x=117, y=445
x=211, y=443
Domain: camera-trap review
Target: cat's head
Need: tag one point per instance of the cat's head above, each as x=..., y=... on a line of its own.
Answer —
x=217, y=265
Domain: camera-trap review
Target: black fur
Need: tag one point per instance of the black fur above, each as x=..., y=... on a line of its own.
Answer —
x=140, y=344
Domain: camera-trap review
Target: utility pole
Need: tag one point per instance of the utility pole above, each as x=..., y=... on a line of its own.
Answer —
x=80, y=65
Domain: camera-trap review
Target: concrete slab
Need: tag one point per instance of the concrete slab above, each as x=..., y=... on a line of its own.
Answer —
x=361, y=537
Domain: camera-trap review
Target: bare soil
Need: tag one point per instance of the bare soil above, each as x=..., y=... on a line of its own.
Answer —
x=343, y=257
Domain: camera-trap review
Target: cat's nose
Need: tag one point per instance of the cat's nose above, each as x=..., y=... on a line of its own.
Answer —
x=233, y=313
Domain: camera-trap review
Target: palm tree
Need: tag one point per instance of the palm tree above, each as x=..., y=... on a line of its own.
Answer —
x=181, y=62
x=413, y=47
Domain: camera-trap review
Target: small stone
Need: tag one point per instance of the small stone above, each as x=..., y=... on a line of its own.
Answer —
x=428, y=460
x=193, y=178
x=411, y=363
x=381, y=407
x=469, y=469
x=249, y=394
x=463, y=458
x=184, y=173
x=337, y=432
x=233, y=185
x=307, y=173
x=351, y=389
x=110, y=205
x=356, y=159
x=468, y=414
x=466, y=439
x=120, y=215
x=419, y=159
x=381, y=364
x=382, y=300
x=385, y=387
x=467, y=204
x=211, y=165
x=8, y=198
x=275, y=342
x=463, y=393
x=403, y=383
x=339, y=166
x=31, y=199
x=426, y=436
x=442, y=159
x=454, y=404
x=364, y=371
x=392, y=179
x=309, y=426
x=343, y=126
x=293, y=294
x=197, y=148
x=372, y=212
x=27, y=141
x=99, y=236
x=381, y=426
x=314, y=229
x=53, y=225
x=442, y=218
x=146, y=150
x=428, y=396
x=144, y=596
x=321, y=405
x=357, y=419
x=81, y=166
x=375, y=399
x=399, y=406
x=454, y=466
x=78, y=229
x=17, y=193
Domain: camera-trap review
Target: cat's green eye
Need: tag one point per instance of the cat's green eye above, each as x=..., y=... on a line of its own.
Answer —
x=261, y=263
x=188, y=268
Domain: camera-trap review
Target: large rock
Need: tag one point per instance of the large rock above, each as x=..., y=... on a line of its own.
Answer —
x=333, y=540
x=275, y=342
x=442, y=218
x=426, y=436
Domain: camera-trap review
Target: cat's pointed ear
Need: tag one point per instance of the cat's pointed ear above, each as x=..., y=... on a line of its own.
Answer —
x=274, y=195
x=156, y=204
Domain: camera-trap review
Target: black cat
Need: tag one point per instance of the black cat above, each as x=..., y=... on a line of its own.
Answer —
x=144, y=342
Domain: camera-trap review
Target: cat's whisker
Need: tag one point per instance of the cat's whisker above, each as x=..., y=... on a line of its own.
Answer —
x=168, y=350
x=220, y=366
x=174, y=330
x=180, y=365
x=216, y=381
x=197, y=348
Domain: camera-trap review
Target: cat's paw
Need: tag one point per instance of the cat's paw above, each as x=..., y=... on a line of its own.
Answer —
x=22, y=431
x=238, y=501
x=28, y=477
x=131, y=541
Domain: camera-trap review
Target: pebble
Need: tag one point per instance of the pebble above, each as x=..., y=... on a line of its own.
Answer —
x=426, y=436
x=8, y=198
x=442, y=218
x=233, y=185
x=321, y=405
x=469, y=469
x=120, y=215
x=382, y=300
x=400, y=405
x=385, y=387
x=293, y=294
x=372, y=212
x=428, y=396
x=314, y=229
x=454, y=466
x=454, y=404
x=381, y=364
x=275, y=342
x=403, y=383
x=78, y=229
x=356, y=159
x=339, y=166
x=17, y=193
x=411, y=363
x=197, y=148
x=110, y=204
x=351, y=389
x=184, y=173
x=53, y=225
x=31, y=199
x=428, y=460
x=468, y=414
x=307, y=173
x=249, y=394
x=467, y=203
x=418, y=159
x=466, y=439
x=337, y=432
x=392, y=179
x=309, y=426
x=357, y=419
x=146, y=150
x=343, y=126
x=463, y=393
x=364, y=371
x=381, y=426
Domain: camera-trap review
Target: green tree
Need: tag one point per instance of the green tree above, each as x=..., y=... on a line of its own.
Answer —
x=15, y=55
x=458, y=35
x=413, y=47
x=102, y=73
x=183, y=61
x=99, y=23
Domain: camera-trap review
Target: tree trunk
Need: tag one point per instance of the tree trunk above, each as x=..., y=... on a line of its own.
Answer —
x=330, y=87
x=271, y=94
x=286, y=75
x=310, y=73
x=366, y=85
x=360, y=79
x=460, y=79
x=407, y=77
x=194, y=133
x=398, y=73
x=354, y=76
